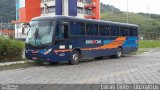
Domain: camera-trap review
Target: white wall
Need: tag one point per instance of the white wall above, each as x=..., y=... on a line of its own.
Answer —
x=49, y=3
x=22, y=3
x=65, y=8
x=18, y=31
x=80, y=15
x=49, y=14
x=80, y=4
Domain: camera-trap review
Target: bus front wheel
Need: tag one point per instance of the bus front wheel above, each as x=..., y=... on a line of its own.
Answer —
x=75, y=58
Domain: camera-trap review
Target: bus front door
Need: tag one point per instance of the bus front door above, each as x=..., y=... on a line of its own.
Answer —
x=61, y=33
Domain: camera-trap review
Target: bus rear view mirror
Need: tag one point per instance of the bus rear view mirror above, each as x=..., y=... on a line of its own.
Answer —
x=25, y=28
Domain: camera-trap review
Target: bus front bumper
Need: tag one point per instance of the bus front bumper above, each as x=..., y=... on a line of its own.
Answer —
x=50, y=57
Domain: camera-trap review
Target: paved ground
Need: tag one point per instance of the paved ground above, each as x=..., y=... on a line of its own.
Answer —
x=131, y=69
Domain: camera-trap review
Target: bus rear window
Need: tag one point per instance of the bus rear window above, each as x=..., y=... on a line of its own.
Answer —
x=133, y=31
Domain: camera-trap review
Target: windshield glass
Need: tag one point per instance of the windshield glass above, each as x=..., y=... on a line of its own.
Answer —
x=40, y=33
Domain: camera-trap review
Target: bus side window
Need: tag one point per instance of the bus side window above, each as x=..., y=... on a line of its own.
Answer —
x=124, y=31
x=62, y=31
x=121, y=31
x=92, y=29
x=131, y=31
x=65, y=31
x=104, y=30
x=81, y=28
x=77, y=28
x=88, y=28
x=115, y=30
x=135, y=31
x=95, y=29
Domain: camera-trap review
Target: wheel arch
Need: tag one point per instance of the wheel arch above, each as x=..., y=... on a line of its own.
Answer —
x=120, y=47
x=78, y=50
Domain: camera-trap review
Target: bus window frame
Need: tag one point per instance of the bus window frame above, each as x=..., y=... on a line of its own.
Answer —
x=124, y=26
x=115, y=25
x=92, y=24
x=109, y=26
x=77, y=22
x=136, y=31
x=131, y=28
x=54, y=23
x=98, y=24
x=58, y=23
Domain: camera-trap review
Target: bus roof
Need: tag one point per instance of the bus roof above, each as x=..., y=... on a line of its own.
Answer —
x=60, y=17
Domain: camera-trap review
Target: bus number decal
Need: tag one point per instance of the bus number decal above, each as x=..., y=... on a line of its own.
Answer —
x=93, y=42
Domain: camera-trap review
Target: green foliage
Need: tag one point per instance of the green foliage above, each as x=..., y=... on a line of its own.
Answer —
x=10, y=50
x=108, y=8
x=149, y=44
x=147, y=23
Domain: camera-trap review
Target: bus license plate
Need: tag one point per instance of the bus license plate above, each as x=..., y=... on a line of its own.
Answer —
x=34, y=58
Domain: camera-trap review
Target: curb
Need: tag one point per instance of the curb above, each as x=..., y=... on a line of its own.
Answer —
x=13, y=63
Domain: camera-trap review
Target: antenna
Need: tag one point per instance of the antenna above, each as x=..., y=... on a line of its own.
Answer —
x=148, y=9
x=44, y=1
x=127, y=11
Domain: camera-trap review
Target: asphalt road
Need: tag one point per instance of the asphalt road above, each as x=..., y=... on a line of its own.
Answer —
x=131, y=69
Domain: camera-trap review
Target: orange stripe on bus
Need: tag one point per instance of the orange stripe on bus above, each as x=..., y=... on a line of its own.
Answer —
x=116, y=43
x=67, y=50
x=35, y=52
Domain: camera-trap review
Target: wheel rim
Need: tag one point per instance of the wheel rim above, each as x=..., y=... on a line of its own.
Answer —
x=75, y=57
x=119, y=52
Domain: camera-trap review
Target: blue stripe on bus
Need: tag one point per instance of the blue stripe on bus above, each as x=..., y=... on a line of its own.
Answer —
x=107, y=41
x=131, y=42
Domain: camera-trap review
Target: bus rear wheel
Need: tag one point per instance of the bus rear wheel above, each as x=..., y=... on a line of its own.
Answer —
x=75, y=58
x=119, y=53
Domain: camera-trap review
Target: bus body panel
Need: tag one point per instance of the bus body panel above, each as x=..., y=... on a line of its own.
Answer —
x=90, y=50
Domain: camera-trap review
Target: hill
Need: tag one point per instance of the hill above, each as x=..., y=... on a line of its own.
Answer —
x=108, y=8
x=7, y=11
x=146, y=22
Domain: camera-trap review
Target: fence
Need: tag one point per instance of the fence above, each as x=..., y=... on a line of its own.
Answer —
x=149, y=36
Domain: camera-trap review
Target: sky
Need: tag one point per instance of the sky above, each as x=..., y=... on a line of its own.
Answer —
x=146, y=6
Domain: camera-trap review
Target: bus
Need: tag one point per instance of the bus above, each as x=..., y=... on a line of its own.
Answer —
x=64, y=38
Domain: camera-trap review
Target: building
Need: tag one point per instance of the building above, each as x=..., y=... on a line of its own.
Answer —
x=7, y=33
x=78, y=8
x=25, y=11
x=28, y=9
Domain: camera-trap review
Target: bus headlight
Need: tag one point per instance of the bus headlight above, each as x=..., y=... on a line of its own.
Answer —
x=48, y=51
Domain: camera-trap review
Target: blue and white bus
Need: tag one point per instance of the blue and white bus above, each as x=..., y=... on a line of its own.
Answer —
x=63, y=38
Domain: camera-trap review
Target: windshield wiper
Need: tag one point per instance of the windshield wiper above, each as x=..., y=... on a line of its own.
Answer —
x=36, y=34
x=36, y=37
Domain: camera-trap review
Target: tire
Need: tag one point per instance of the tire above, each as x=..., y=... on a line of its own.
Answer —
x=119, y=53
x=75, y=58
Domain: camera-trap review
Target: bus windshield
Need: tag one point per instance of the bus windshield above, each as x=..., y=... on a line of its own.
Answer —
x=40, y=33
